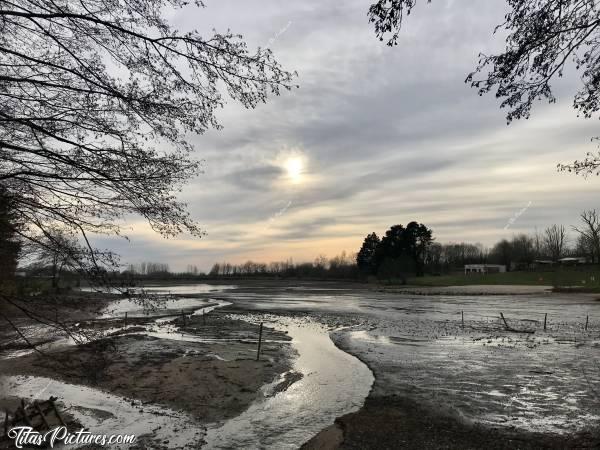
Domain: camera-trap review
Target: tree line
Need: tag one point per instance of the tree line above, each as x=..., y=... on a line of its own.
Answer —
x=342, y=266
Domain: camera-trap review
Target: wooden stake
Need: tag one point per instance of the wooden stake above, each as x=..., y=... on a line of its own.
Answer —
x=587, y=319
x=509, y=328
x=125, y=318
x=462, y=319
x=259, y=341
x=545, y=317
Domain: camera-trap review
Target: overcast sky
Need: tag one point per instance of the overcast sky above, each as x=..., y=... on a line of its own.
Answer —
x=374, y=136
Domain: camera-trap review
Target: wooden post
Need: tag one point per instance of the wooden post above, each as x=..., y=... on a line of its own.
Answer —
x=125, y=318
x=504, y=320
x=183, y=317
x=462, y=319
x=545, y=317
x=587, y=319
x=259, y=341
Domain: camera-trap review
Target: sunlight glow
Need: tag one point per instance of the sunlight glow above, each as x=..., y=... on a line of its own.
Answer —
x=294, y=167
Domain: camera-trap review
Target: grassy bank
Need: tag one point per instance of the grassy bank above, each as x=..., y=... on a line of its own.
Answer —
x=588, y=279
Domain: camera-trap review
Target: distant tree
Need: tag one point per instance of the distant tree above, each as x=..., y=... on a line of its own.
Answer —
x=503, y=253
x=392, y=244
x=433, y=257
x=584, y=247
x=538, y=244
x=456, y=255
x=396, y=268
x=192, y=269
x=412, y=241
x=366, y=257
x=56, y=249
x=590, y=230
x=523, y=252
x=342, y=266
x=320, y=264
x=416, y=240
x=554, y=241
x=542, y=38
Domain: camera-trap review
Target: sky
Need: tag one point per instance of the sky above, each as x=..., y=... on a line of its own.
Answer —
x=374, y=136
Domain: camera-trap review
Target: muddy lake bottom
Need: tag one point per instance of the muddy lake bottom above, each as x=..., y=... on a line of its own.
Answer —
x=342, y=366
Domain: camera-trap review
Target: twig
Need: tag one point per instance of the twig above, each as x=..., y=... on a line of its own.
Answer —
x=508, y=328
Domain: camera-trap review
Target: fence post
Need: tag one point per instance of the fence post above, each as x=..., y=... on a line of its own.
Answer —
x=259, y=341
x=587, y=319
x=545, y=317
x=125, y=318
x=462, y=319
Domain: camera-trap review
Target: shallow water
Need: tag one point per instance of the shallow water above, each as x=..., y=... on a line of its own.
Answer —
x=105, y=413
x=334, y=384
x=546, y=381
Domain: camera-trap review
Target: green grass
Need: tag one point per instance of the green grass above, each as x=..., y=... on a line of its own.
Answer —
x=570, y=277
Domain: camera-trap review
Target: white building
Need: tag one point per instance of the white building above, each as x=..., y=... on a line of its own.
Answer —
x=573, y=261
x=484, y=268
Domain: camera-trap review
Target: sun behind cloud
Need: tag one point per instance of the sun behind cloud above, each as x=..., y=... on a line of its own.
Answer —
x=294, y=167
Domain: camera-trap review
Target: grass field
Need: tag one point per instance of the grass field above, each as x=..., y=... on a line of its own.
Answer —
x=587, y=279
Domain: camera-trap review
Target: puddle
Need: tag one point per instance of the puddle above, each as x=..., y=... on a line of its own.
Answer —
x=104, y=413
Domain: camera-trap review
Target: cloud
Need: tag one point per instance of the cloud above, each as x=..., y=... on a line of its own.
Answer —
x=389, y=135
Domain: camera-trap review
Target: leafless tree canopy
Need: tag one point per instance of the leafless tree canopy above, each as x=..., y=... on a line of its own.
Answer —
x=554, y=241
x=590, y=230
x=96, y=100
x=544, y=36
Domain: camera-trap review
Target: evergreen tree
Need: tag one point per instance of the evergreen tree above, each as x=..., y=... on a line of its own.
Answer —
x=365, y=259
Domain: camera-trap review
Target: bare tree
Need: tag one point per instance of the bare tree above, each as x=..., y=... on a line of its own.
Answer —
x=554, y=241
x=583, y=246
x=57, y=249
x=543, y=37
x=590, y=230
x=88, y=88
x=97, y=99
x=538, y=244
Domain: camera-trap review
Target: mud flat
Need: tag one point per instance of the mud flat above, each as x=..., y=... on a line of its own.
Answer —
x=203, y=371
x=441, y=384
x=438, y=385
